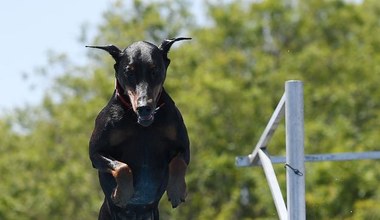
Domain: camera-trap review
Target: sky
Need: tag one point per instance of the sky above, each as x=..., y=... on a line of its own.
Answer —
x=28, y=30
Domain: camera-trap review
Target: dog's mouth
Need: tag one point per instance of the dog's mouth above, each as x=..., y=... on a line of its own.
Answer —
x=145, y=120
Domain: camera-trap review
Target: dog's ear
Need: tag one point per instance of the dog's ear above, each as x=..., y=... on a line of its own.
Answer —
x=165, y=47
x=111, y=49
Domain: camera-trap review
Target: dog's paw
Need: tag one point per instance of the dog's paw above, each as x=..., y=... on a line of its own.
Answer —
x=176, y=190
x=120, y=198
x=124, y=188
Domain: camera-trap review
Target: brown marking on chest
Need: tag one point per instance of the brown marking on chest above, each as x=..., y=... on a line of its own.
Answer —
x=171, y=132
x=119, y=136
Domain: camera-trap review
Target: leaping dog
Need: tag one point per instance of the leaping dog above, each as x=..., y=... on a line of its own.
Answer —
x=140, y=145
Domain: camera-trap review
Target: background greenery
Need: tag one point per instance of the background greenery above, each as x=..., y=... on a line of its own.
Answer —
x=226, y=81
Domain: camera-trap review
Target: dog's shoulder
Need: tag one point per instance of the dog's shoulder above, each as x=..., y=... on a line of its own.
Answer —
x=111, y=114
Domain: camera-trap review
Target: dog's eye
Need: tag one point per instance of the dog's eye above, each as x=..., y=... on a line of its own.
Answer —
x=129, y=74
x=128, y=69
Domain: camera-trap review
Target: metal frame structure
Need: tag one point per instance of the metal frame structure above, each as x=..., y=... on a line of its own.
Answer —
x=291, y=105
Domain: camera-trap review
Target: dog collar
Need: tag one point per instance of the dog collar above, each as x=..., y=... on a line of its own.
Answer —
x=119, y=95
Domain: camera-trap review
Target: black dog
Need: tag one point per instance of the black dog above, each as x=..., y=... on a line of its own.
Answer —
x=140, y=144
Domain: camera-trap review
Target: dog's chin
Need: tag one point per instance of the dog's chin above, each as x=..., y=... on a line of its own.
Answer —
x=145, y=121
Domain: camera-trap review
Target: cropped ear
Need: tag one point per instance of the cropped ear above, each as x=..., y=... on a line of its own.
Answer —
x=111, y=49
x=165, y=47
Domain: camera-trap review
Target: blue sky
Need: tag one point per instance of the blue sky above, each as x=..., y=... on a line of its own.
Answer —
x=28, y=30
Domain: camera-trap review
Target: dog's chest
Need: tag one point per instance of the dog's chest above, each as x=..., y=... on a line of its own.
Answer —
x=142, y=145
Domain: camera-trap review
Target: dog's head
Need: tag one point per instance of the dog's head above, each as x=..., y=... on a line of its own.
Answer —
x=140, y=71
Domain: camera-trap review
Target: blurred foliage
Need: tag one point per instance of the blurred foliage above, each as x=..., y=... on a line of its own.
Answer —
x=226, y=82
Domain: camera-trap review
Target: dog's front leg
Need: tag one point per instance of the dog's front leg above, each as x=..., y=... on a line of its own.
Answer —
x=176, y=188
x=124, y=188
x=98, y=147
x=123, y=176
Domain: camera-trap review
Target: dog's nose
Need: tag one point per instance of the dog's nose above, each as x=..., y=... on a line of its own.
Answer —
x=144, y=110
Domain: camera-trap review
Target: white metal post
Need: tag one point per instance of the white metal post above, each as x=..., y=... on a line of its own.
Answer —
x=295, y=158
x=273, y=185
x=295, y=167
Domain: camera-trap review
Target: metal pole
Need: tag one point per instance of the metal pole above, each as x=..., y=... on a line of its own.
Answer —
x=273, y=185
x=295, y=167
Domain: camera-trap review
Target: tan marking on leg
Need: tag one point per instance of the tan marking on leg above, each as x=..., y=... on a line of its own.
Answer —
x=124, y=189
x=176, y=189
